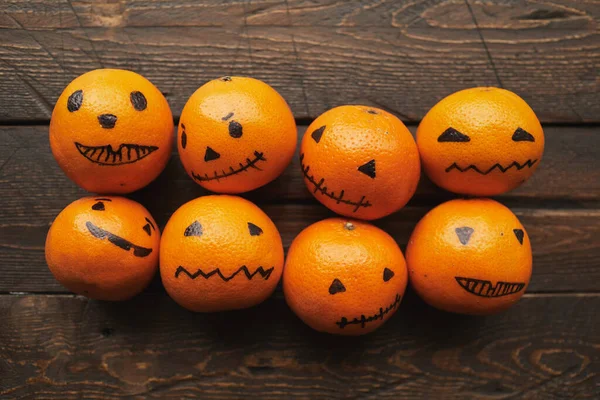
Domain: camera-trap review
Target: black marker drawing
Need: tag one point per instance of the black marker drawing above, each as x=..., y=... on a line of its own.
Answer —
x=388, y=274
x=502, y=169
x=484, y=288
x=264, y=273
x=232, y=171
x=452, y=135
x=211, y=155
x=138, y=100
x=323, y=189
x=336, y=287
x=225, y=118
x=368, y=169
x=317, y=133
x=75, y=100
x=521, y=135
x=99, y=206
x=364, y=320
x=100, y=233
x=149, y=227
x=107, y=121
x=235, y=129
x=195, y=229
x=519, y=234
x=255, y=230
x=102, y=199
x=183, y=136
x=124, y=154
x=464, y=234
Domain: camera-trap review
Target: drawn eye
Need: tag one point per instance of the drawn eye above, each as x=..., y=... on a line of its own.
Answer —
x=75, y=100
x=519, y=234
x=368, y=169
x=235, y=129
x=195, y=229
x=255, y=230
x=452, y=135
x=148, y=227
x=521, y=135
x=99, y=206
x=138, y=100
x=387, y=274
x=336, y=287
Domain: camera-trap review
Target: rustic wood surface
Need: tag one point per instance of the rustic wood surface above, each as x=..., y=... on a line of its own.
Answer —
x=402, y=56
x=399, y=55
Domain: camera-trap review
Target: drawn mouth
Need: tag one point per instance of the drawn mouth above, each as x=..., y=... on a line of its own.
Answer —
x=232, y=171
x=264, y=273
x=528, y=163
x=364, y=320
x=319, y=187
x=100, y=233
x=484, y=288
x=124, y=154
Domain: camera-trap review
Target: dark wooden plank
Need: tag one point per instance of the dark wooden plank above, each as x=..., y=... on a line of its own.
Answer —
x=33, y=190
x=400, y=56
x=63, y=347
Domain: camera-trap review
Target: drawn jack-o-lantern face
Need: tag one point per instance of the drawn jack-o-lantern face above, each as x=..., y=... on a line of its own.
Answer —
x=480, y=141
x=344, y=277
x=105, y=248
x=470, y=256
x=220, y=253
x=111, y=131
x=236, y=134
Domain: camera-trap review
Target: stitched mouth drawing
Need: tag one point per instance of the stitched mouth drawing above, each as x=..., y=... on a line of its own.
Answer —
x=319, y=187
x=100, y=233
x=362, y=321
x=484, y=288
x=264, y=273
x=124, y=154
x=249, y=163
x=529, y=163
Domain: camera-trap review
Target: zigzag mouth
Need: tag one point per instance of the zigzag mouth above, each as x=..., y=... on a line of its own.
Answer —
x=484, y=288
x=258, y=156
x=126, y=153
x=118, y=241
x=362, y=321
x=323, y=189
x=264, y=273
x=529, y=163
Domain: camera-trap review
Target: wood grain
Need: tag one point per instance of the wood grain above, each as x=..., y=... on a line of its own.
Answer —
x=33, y=190
x=63, y=347
x=401, y=56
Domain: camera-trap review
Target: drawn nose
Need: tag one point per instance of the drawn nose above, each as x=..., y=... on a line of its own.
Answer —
x=107, y=121
x=211, y=154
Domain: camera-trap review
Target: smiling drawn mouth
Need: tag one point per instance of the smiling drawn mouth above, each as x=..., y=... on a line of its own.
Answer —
x=264, y=273
x=232, y=171
x=484, y=288
x=124, y=154
x=100, y=233
x=363, y=320
x=323, y=189
x=528, y=163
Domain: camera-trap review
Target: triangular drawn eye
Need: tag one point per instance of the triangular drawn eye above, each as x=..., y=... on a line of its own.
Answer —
x=99, y=206
x=519, y=234
x=255, y=230
x=521, y=135
x=387, y=274
x=336, y=287
x=452, y=135
x=195, y=229
x=368, y=169
x=317, y=133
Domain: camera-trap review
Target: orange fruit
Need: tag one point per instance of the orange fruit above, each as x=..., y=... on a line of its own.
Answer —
x=105, y=248
x=236, y=134
x=111, y=131
x=344, y=277
x=220, y=253
x=481, y=141
x=469, y=256
x=359, y=161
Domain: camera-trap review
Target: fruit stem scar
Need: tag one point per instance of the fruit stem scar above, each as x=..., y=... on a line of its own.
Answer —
x=362, y=321
x=323, y=189
x=242, y=167
x=349, y=226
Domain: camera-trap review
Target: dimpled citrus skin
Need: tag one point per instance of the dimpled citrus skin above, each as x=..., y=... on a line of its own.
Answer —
x=226, y=244
x=357, y=254
x=263, y=133
x=489, y=117
x=352, y=137
x=108, y=91
x=95, y=267
x=436, y=256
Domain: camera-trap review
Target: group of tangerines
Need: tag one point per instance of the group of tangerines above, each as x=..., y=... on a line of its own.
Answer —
x=111, y=133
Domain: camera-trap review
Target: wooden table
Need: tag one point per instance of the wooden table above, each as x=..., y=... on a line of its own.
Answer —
x=400, y=56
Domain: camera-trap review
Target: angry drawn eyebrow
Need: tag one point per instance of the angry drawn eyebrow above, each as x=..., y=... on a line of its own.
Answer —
x=102, y=199
x=150, y=222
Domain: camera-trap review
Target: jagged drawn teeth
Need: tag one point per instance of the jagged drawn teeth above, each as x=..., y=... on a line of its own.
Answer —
x=124, y=154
